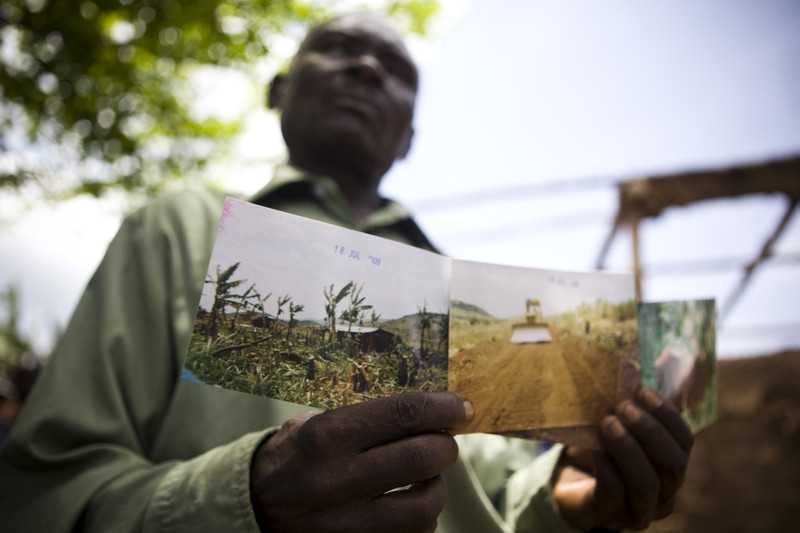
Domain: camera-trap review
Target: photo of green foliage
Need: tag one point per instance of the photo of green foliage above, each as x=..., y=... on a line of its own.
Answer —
x=678, y=356
x=352, y=357
x=313, y=314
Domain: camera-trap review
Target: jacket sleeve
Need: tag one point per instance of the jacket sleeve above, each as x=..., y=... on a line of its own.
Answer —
x=79, y=456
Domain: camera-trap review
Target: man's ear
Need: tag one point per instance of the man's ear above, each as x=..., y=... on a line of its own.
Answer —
x=275, y=92
x=404, y=146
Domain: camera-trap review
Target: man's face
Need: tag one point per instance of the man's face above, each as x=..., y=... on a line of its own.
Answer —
x=348, y=99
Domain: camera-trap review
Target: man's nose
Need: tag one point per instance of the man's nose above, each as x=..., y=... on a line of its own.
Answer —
x=368, y=68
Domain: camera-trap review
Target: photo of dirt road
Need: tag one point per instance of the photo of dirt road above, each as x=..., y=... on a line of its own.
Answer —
x=570, y=381
x=538, y=351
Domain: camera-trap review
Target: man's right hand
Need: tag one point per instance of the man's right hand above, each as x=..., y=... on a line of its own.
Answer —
x=334, y=471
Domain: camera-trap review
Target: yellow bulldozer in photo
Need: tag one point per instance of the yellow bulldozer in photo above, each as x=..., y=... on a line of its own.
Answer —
x=534, y=329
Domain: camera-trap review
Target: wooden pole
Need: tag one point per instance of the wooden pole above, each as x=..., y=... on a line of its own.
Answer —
x=601, y=259
x=766, y=252
x=637, y=267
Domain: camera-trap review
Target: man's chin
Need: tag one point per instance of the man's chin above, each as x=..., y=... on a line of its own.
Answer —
x=343, y=150
x=355, y=141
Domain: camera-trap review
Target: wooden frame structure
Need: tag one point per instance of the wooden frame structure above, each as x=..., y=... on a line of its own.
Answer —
x=648, y=197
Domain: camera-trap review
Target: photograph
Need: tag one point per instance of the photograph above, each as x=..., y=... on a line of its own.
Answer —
x=539, y=351
x=678, y=356
x=313, y=314
x=317, y=315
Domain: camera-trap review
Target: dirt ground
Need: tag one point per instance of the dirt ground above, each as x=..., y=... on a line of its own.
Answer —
x=744, y=474
x=568, y=386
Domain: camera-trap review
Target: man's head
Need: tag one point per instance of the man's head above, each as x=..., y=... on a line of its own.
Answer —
x=348, y=99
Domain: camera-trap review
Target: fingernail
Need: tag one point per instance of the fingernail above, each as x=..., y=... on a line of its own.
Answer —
x=613, y=428
x=650, y=398
x=469, y=410
x=630, y=412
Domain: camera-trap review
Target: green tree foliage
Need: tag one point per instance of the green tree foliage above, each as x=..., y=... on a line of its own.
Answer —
x=282, y=301
x=293, y=310
x=13, y=344
x=98, y=91
x=374, y=319
x=332, y=299
x=244, y=299
x=223, y=297
x=424, y=327
x=357, y=309
x=261, y=306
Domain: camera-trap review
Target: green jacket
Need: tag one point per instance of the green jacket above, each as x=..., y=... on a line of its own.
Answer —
x=112, y=440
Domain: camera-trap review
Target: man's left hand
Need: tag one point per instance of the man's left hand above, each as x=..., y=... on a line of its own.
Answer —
x=634, y=479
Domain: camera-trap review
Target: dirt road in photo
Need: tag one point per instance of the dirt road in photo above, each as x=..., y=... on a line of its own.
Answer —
x=525, y=386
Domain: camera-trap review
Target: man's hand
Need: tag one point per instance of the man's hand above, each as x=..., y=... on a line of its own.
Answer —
x=635, y=478
x=335, y=471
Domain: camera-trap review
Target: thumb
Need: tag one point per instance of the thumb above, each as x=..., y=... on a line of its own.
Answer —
x=574, y=491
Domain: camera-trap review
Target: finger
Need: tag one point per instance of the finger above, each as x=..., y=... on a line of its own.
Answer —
x=609, y=502
x=412, y=510
x=638, y=476
x=666, y=508
x=668, y=458
x=668, y=415
x=356, y=428
x=396, y=464
x=581, y=458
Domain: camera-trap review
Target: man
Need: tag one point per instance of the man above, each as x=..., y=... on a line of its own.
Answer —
x=111, y=439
